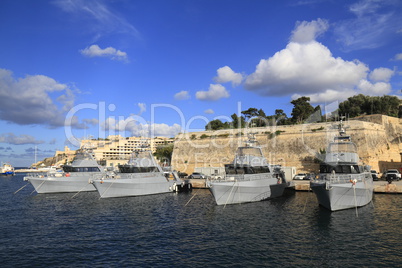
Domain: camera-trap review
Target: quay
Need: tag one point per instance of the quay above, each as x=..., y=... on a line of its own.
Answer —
x=303, y=185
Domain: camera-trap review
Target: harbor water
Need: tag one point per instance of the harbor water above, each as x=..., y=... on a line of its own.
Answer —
x=190, y=230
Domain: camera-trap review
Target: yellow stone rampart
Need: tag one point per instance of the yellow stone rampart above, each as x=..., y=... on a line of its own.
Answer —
x=377, y=137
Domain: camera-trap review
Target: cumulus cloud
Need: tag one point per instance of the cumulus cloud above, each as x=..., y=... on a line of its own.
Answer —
x=381, y=74
x=308, y=68
x=308, y=31
x=215, y=92
x=34, y=99
x=109, y=52
x=226, y=74
x=182, y=95
x=11, y=138
x=209, y=111
x=137, y=126
x=304, y=68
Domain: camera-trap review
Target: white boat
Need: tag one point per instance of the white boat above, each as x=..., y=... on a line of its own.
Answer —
x=249, y=178
x=74, y=178
x=140, y=176
x=6, y=170
x=342, y=182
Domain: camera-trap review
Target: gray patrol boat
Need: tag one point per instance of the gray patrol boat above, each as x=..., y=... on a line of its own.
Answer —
x=342, y=183
x=249, y=178
x=74, y=178
x=140, y=176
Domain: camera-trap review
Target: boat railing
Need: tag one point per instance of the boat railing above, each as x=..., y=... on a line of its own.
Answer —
x=343, y=178
x=92, y=175
x=240, y=177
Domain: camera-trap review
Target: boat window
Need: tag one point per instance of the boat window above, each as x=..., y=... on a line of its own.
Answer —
x=80, y=169
x=135, y=169
x=339, y=147
x=346, y=169
x=249, y=151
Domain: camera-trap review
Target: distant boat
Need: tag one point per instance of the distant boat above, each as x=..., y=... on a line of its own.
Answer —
x=74, y=178
x=6, y=170
x=249, y=178
x=140, y=176
x=342, y=182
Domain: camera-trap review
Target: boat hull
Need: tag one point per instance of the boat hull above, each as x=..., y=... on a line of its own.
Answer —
x=62, y=184
x=133, y=185
x=340, y=196
x=235, y=192
x=7, y=173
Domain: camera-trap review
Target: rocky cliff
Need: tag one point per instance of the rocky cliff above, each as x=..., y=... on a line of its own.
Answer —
x=377, y=137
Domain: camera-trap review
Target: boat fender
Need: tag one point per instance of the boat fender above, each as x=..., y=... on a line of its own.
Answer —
x=353, y=181
x=67, y=174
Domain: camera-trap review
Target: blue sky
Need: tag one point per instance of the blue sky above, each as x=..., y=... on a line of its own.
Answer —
x=74, y=68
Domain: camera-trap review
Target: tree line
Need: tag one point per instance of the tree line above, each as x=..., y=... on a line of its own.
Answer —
x=304, y=112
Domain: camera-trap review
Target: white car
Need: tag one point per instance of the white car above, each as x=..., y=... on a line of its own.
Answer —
x=300, y=176
x=392, y=173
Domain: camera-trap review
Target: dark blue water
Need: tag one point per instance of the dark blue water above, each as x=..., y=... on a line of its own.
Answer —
x=56, y=230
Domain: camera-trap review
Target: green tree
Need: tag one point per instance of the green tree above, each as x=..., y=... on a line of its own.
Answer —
x=302, y=109
x=215, y=125
x=164, y=153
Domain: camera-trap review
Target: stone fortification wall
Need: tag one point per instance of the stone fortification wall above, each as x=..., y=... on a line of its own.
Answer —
x=377, y=137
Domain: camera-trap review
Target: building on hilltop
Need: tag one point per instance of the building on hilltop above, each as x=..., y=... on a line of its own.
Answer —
x=115, y=149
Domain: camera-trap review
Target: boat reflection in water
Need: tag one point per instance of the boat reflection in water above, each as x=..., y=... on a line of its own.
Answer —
x=249, y=178
x=342, y=182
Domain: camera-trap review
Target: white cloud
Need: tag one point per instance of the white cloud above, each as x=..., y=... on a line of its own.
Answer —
x=379, y=88
x=209, y=111
x=137, y=126
x=182, y=95
x=308, y=31
x=143, y=107
x=398, y=56
x=215, y=92
x=381, y=74
x=109, y=52
x=304, y=69
x=375, y=23
x=327, y=96
x=34, y=99
x=226, y=74
x=98, y=17
x=11, y=138
x=308, y=68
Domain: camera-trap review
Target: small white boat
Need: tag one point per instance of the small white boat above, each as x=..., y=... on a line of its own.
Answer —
x=249, y=178
x=6, y=170
x=342, y=182
x=74, y=178
x=140, y=176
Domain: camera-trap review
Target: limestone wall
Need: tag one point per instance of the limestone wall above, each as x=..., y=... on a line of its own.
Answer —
x=378, y=139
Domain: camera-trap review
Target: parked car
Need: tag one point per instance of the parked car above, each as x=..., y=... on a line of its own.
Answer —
x=300, y=176
x=392, y=174
x=375, y=175
x=182, y=175
x=197, y=175
x=309, y=177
